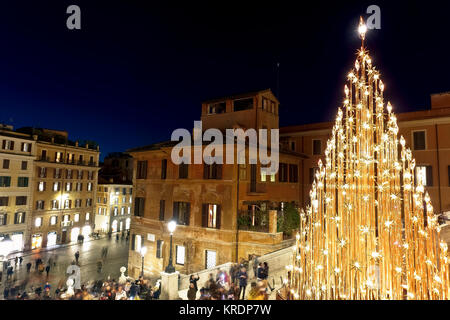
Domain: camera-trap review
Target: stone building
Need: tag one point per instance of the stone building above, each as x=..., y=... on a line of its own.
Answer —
x=211, y=202
x=113, y=206
x=64, y=188
x=17, y=153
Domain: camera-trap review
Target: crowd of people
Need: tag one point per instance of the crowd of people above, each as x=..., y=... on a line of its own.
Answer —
x=232, y=285
x=124, y=288
x=110, y=289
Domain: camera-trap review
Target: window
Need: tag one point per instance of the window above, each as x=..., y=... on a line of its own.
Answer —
x=24, y=165
x=87, y=216
x=264, y=177
x=79, y=186
x=211, y=215
x=58, y=157
x=42, y=172
x=80, y=174
x=89, y=186
x=26, y=147
x=53, y=220
x=5, y=164
x=312, y=174
x=8, y=145
x=293, y=147
x=89, y=202
x=55, y=204
x=217, y=107
x=183, y=171
x=139, y=207
x=57, y=173
x=21, y=201
x=19, y=217
x=159, y=245
x=180, y=253
x=68, y=186
x=124, y=191
x=77, y=203
x=4, y=201
x=163, y=169
x=283, y=172
x=76, y=217
x=69, y=174
x=425, y=175
x=41, y=186
x=38, y=222
x=67, y=204
x=162, y=209
x=137, y=243
x=3, y=219
x=122, y=211
x=90, y=175
x=419, y=140
x=212, y=171
x=129, y=210
x=40, y=205
x=70, y=158
x=181, y=212
x=141, y=172
x=56, y=186
x=243, y=104
x=211, y=259
x=317, y=147
x=22, y=182
x=293, y=173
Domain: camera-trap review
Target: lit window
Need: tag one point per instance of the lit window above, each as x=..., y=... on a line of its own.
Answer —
x=38, y=222
x=211, y=257
x=87, y=216
x=180, y=254
x=76, y=217
x=212, y=215
x=53, y=220
x=41, y=186
x=138, y=242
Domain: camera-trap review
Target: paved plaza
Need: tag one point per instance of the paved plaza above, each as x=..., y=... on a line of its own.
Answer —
x=90, y=254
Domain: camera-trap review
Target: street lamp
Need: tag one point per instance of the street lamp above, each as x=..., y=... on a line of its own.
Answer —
x=171, y=226
x=143, y=251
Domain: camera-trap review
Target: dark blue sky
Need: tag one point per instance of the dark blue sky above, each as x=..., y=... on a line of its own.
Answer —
x=135, y=72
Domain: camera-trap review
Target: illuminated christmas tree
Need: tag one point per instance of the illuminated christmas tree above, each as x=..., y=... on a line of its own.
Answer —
x=370, y=231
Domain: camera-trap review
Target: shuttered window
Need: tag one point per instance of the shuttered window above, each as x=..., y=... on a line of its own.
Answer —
x=212, y=171
x=162, y=209
x=159, y=244
x=419, y=140
x=181, y=212
x=164, y=169
x=283, y=173
x=139, y=207
x=183, y=171
x=211, y=215
x=141, y=170
x=293, y=173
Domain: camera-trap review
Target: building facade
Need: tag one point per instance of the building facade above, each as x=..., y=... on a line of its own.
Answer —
x=426, y=132
x=64, y=189
x=17, y=153
x=219, y=209
x=113, y=208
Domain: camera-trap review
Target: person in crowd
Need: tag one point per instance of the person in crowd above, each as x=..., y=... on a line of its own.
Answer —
x=77, y=256
x=243, y=276
x=28, y=267
x=265, y=271
x=192, y=293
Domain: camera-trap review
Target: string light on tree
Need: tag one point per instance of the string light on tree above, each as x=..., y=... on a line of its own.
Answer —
x=370, y=232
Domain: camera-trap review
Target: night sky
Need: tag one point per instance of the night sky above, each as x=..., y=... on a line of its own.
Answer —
x=135, y=72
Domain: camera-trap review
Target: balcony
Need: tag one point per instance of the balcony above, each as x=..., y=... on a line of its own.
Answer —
x=68, y=161
x=253, y=221
x=66, y=223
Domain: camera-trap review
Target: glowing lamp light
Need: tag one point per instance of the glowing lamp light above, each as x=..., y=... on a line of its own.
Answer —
x=171, y=226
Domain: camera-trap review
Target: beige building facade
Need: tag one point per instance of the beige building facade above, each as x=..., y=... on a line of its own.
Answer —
x=17, y=154
x=64, y=189
x=113, y=207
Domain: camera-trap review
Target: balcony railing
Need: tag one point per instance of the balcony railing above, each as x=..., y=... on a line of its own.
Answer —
x=68, y=161
x=254, y=221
